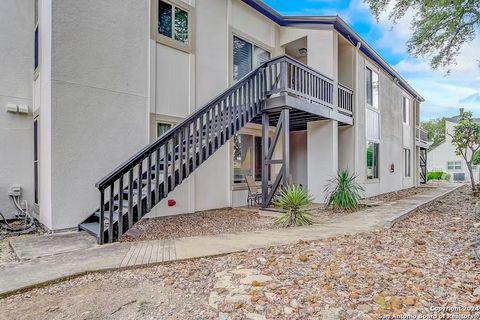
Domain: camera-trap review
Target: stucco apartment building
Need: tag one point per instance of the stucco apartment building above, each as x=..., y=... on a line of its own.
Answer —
x=111, y=109
x=442, y=157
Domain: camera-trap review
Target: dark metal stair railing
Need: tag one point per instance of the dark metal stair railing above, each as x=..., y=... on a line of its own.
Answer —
x=180, y=150
x=146, y=178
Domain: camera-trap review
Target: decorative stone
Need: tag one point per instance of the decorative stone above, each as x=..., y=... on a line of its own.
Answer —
x=256, y=277
x=255, y=316
x=214, y=300
x=476, y=292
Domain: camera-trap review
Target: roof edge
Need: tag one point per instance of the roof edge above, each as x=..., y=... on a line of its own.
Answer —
x=343, y=28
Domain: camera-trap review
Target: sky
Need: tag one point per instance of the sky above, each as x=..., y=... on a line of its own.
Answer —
x=444, y=94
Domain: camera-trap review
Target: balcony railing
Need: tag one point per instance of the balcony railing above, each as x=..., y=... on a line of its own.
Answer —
x=345, y=99
x=299, y=80
x=421, y=135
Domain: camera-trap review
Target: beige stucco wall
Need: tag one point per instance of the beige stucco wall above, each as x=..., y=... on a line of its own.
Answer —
x=16, y=76
x=99, y=108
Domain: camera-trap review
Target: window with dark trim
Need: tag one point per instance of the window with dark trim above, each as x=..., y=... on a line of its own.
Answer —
x=371, y=87
x=246, y=57
x=35, y=161
x=372, y=160
x=407, y=162
x=173, y=22
x=37, y=39
x=247, y=157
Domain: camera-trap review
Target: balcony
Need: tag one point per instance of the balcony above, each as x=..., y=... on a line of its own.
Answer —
x=421, y=137
x=310, y=93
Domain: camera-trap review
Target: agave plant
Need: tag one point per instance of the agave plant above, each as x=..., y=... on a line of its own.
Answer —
x=343, y=191
x=294, y=201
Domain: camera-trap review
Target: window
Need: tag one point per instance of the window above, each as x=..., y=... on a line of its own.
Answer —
x=247, y=157
x=371, y=84
x=35, y=162
x=454, y=165
x=162, y=127
x=242, y=157
x=36, y=45
x=173, y=24
x=373, y=125
x=246, y=57
x=406, y=110
x=407, y=162
x=372, y=160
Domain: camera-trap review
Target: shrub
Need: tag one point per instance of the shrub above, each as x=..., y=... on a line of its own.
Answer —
x=294, y=200
x=343, y=191
x=446, y=176
x=434, y=175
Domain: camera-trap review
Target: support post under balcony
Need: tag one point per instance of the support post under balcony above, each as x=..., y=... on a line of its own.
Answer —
x=268, y=148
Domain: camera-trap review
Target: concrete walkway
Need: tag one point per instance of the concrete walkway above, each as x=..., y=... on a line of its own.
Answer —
x=56, y=267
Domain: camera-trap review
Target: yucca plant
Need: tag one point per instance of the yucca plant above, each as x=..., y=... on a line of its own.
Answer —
x=294, y=200
x=343, y=191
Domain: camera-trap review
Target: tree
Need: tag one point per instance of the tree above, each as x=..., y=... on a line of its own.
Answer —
x=466, y=140
x=436, y=130
x=440, y=27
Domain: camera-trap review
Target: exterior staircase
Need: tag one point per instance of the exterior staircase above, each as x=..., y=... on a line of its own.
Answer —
x=136, y=186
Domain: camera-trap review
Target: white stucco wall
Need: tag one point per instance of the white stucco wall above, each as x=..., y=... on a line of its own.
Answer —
x=392, y=136
x=99, y=109
x=322, y=153
x=438, y=157
x=16, y=76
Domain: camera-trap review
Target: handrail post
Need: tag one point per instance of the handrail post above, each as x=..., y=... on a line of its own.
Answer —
x=283, y=76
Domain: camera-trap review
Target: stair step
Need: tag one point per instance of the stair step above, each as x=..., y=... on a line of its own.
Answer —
x=91, y=227
x=107, y=215
x=135, y=192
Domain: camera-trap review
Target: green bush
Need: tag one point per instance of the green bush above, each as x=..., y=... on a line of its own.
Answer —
x=294, y=200
x=446, y=176
x=343, y=191
x=434, y=175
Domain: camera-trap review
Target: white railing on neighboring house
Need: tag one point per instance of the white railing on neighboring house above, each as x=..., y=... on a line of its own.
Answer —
x=421, y=135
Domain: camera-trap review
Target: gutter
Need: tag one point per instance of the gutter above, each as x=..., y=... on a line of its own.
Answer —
x=341, y=27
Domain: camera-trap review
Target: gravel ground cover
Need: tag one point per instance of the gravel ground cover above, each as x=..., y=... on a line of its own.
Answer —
x=401, y=194
x=230, y=220
x=422, y=264
x=197, y=224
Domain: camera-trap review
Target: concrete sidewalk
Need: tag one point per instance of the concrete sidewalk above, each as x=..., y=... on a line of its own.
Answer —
x=46, y=269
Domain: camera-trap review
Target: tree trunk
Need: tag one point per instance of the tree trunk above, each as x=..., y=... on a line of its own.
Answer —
x=472, y=180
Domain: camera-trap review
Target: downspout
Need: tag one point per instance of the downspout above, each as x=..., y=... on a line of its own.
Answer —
x=356, y=108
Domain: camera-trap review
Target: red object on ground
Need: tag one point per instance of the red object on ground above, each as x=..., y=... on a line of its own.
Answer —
x=171, y=202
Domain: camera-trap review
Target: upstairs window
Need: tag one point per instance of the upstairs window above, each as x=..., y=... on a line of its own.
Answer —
x=173, y=24
x=406, y=110
x=246, y=57
x=371, y=84
x=37, y=44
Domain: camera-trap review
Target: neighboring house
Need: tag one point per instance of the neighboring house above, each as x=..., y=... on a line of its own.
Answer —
x=443, y=158
x=231, y=87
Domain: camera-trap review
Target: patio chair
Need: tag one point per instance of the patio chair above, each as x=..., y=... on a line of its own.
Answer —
x=253, y=197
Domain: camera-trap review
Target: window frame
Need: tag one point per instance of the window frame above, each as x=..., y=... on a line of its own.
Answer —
x=170, y=41
x=253, y=159
x=406, y=110
x=253, y=42
x=455, y=167
x=407, y=162
x=36, y=160
x=375, y=165
x=36, y=35
x=373, y=70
